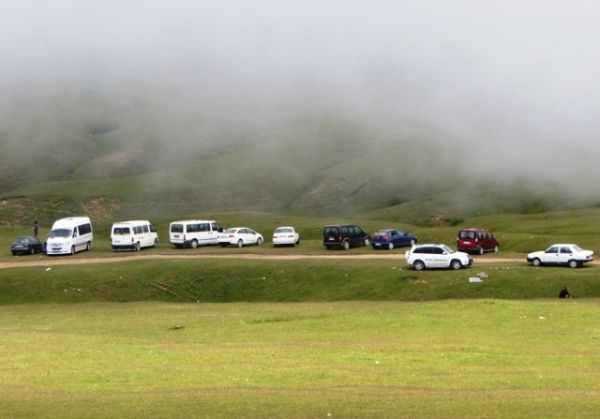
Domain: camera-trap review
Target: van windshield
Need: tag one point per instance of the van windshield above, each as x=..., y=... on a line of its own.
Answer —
x=60, y=232
x=176, y=228
x=121, y=231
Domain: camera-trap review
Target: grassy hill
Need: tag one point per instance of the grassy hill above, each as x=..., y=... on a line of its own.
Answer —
x=121, y=156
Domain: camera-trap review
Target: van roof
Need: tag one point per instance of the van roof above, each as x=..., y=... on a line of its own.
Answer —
x=474, y=229
x=129, y=222
x=192, y=221
x=70, y=221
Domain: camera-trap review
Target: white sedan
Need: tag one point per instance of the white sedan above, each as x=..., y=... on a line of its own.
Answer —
x=561, y=254
x=286, y=236
x=240, y=236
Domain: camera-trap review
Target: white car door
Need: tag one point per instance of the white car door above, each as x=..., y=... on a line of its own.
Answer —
x=439, y=258
x=565, y=255
x=551, y=255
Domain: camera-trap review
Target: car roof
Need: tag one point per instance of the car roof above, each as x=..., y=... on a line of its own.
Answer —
x=285, y=227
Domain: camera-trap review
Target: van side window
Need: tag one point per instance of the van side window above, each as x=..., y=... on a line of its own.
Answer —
x=205, y=227
x=85, y=228
x=146, y=229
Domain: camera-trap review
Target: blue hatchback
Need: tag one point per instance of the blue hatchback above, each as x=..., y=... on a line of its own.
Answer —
x=390, y=238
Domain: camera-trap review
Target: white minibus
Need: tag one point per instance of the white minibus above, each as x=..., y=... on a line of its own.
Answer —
x=133, y=235
x=69, y=236
x=194, y=233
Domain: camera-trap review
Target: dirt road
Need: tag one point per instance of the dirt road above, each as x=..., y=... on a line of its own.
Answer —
x=23, y=262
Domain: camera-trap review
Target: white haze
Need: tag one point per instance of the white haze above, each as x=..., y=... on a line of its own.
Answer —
x=509, y=86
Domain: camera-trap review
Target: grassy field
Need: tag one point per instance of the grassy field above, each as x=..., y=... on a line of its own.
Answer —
x=309, y=338
x=347, y=359
x=212, y=280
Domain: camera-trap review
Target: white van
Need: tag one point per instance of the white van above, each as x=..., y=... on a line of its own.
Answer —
x=133, y=235
x=194, y=233
x=70, y=235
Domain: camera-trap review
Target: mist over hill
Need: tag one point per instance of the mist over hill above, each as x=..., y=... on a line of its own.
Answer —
x=329, y=108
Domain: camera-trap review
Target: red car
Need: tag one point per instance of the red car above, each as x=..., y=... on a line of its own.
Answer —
x=476, y=240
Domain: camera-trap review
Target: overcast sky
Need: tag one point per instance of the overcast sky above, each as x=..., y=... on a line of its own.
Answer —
x=505, y=77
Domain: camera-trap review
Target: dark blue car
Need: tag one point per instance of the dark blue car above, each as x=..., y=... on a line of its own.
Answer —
x=390, y=238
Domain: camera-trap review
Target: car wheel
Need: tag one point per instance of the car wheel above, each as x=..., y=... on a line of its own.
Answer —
x=455, y=264
x=573, y=264
x=88, y=246
x=194, y=244
x=32, y=251
x=496, y=249
x=240, y=243
x=480, y=250
x=413, y=242
x=258, y=241
x=223, y=244
x=298, y=242
x=72, y=250
x=346, y=244
x=391, y=246
x=138, y=247
x=155, y=243
x=536, y=262
x=367, y=242
x=14, y=253
x=418, y=265
x=328, y=247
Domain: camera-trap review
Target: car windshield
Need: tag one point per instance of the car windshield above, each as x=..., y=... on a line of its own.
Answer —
x=576, y=248
x=284, y=230
x=121, y=231
x=176, y=228
x=61, y=232
x=465, y=234
x=22, y=240
x=447, y=249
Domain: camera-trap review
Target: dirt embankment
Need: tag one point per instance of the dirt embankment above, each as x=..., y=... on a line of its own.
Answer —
x=66, y=260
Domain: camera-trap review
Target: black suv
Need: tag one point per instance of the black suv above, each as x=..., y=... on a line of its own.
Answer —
x=344, y=236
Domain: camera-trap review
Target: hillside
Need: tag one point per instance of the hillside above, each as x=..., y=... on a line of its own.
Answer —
x=112, y=156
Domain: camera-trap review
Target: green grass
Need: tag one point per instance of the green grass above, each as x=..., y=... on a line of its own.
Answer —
x=457, y=359
x=212, y=280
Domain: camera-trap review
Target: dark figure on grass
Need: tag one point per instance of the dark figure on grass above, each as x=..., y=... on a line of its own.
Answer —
x=36, y=229
x=564, y=293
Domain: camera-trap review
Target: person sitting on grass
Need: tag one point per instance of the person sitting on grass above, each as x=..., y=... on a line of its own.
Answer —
x=564, y=293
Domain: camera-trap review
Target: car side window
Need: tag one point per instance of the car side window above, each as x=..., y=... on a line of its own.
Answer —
x=565, y=250
x=437, y=250
x=553, y=249
x=345, y=230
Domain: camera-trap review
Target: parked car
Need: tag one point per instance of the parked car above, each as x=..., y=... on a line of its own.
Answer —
x=240, y=236
x=427, y=256
x=344, y=236
x=286, y=236
x=26, y=245
x=561, y=254
x=133, y=235
x=390, y=238
x=70, y=235
x=476, y=240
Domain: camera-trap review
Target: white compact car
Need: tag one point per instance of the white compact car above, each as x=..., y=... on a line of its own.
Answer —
x=425, y=256
x=286, y=236
x=240, y=236
x=561, y=254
